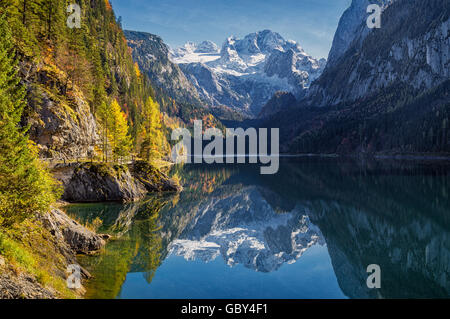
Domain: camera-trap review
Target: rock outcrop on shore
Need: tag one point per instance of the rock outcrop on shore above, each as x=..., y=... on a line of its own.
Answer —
x=153, y=179
x=99, y=182
x=65, y=239
x=76, y=237
x=21, y=286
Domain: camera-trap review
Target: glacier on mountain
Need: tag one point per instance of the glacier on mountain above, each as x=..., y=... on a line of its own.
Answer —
x=245, y=73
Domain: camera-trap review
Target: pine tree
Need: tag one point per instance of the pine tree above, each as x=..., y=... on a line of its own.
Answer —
x=25, y=186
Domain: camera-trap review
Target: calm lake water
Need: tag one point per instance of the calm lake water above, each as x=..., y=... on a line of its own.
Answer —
x=309, y=231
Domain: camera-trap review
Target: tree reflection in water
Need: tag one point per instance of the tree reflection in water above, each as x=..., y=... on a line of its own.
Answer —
x=395, y=214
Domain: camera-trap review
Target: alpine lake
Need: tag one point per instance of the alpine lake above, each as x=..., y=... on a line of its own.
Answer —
x=309, y=231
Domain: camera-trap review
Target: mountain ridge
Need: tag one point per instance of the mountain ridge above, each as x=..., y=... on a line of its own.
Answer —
x=177, y=96
x=248, y=71
x=386, y=94
x=151, y=53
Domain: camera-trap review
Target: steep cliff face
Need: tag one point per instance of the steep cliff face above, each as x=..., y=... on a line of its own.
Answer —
x=405, y=50
x=61, y=120
x=383, y=91
x=352, y=27
x=348, y=27
x=152, y=55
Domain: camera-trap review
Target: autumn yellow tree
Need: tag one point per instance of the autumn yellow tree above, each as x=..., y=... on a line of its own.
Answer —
x=153, y=142
x=103, y=112
x=119, y=139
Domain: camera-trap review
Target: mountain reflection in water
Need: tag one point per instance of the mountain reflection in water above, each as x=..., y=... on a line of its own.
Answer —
x=309, y=231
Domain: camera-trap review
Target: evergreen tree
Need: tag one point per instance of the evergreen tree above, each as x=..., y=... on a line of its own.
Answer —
x=25, y=186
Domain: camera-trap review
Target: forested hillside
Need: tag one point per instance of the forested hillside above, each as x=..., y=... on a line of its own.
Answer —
x=176, y=95
x=394, y=121
x=68, y=93
x=85, y=95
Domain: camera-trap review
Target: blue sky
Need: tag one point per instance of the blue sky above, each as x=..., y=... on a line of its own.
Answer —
x=312, y=23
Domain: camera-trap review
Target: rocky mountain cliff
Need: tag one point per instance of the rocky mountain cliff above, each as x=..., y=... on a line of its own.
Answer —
x=352, y=26
x=405, y=50
x=383, y=90
x=152, y=55
x=62, y=125
x=247, y=72
x=176, y=95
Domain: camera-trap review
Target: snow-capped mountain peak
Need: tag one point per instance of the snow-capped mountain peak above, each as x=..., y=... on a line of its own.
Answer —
x=191, y=52
x=206, y=47
x=203, y=47
x=248, y=71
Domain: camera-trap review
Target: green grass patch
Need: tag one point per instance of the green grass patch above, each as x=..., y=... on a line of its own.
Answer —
x=28, y=247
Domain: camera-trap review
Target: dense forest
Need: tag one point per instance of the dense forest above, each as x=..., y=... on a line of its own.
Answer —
x=395, y=120
x=92, y=62
x=45, y=61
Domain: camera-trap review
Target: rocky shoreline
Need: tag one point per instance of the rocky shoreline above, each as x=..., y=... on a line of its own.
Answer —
x=66, y=238
x=100, y=182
